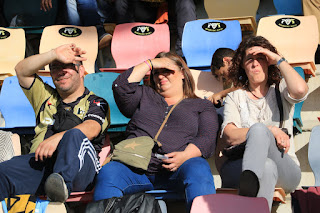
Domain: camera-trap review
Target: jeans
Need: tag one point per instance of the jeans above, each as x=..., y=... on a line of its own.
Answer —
x=193, y=178
x=84, y=13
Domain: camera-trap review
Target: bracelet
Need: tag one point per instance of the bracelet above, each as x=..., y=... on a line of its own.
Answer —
x=149, y=63
x=280, y=61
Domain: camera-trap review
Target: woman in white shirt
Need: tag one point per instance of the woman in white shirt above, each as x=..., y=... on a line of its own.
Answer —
x=252, y=115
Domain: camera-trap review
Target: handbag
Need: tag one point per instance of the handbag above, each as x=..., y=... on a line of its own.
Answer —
x=136, y=152
x=236, y=152
x=133, y=203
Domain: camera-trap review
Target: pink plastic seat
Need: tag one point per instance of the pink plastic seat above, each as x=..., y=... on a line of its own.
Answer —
x=133, y=43
x=229, y=203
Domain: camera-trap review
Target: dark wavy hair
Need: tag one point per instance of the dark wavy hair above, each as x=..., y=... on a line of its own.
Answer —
x=238, y=75
x=188, y=81
x=217, y=59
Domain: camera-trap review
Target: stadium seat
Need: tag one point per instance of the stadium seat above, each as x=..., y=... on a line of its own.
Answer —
x=313, y=153
x=101, y=85
x=295, y=37
x=133, y=43
x=13, y=45
x=288, y=7
x=14, y=105
x=297, y=121
x=201, y=38
x=242, y=10
x=84, y=37
x=279, y=194
x=229, y=203
x=206, y=84
x=30, y=17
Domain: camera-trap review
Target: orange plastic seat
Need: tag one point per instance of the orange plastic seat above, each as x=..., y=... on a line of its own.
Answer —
x=295, y=37
x=206, y=84
x=13, y=46
x=84, y=37
x=133, y=43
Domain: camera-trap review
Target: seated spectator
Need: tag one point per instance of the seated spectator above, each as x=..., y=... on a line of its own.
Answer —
x=220, y=64
x=146, y=11
x=65, y=151
x=83, y=13
x=9, y=145
x=252, y=115
x=187, y=138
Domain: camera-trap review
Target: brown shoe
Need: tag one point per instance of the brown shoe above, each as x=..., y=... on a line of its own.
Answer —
x=105, y=41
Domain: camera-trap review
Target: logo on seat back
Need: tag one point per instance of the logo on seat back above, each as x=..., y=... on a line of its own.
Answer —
x=214, y=26
x=70, y=32
x=142, y=30
x=4, y=34
x=288, y=22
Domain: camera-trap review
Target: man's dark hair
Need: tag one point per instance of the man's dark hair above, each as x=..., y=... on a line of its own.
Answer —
x=217, y=59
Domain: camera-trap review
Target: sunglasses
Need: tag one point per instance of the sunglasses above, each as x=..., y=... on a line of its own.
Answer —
x=59, y=67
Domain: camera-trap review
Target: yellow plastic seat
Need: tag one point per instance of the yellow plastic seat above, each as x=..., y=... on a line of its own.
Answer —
x=84, y=37
x=242, y=10
x=295, y=37
x=13, y=46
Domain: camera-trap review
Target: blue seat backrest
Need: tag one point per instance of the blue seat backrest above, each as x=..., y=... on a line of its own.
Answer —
x=288, y=7
x=101, y=85
x=313, y=153
x=14, y=105
x=298, y=106
x=201, y=38
x=30, y=10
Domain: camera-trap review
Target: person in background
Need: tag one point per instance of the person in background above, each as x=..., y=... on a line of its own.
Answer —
x=220, y=64
x=187, y=139
x=252, y=115
x=9, y=145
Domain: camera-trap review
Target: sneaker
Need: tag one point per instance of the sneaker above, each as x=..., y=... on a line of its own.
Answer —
x=249, y=184
x=105, y=41
x=56, y=189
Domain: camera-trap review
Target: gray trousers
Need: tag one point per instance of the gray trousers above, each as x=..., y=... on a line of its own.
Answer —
x=263, y=157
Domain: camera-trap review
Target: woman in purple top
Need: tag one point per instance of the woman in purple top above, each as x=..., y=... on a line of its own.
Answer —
x=187, y=138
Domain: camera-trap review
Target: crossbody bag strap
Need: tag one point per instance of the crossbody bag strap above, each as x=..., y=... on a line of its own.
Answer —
x=164, y=122
x=280, y=106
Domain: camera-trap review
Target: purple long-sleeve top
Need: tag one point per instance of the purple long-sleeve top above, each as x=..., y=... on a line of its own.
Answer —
x=194, y=120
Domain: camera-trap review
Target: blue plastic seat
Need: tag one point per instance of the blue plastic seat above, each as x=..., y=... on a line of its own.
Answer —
x=14, y=105
x=288, y=7
x=101, y=85
x=313, y=153
x=297, y=121
x=201, y=38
